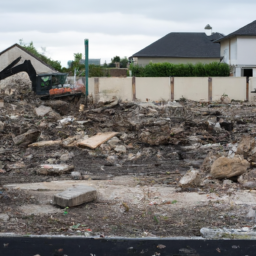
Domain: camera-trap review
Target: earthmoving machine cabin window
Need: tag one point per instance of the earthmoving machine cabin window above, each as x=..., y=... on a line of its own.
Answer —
x=45, y=81
x=55, y=81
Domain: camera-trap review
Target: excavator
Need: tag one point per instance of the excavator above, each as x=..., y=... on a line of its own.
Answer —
x=47, y=86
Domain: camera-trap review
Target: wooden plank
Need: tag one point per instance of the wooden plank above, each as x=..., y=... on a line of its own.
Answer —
x=172, y=88
x=97, y=140
x=209, y=89
x=133, y=88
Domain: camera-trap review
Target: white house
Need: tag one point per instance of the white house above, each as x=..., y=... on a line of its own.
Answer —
x=238, y=49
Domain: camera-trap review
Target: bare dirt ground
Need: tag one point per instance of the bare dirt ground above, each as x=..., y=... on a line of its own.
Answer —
x=136, y=174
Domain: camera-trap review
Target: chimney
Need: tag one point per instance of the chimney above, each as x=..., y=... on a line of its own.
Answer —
x=208, y=30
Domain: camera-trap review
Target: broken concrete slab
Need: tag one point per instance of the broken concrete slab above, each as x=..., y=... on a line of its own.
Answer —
x=218, y=233
x=95, y=141
x=27, y=138
x=75, y=196
x=42, y=110
x=46, y=143
x=29, y=209
x=54, y=169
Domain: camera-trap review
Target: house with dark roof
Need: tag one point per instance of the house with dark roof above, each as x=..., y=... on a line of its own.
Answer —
x=13, y=52
x=238, y=49
x=181, y=48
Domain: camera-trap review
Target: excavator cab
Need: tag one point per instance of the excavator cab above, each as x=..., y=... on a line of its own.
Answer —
x=46, y=82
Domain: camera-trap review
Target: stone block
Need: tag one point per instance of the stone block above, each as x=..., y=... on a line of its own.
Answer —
x=75, y=196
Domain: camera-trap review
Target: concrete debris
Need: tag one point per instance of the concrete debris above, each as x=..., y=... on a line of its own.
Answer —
x=120, y=149
x=4, y=217
x=27, y=138
x=42, y=110
x=76, y=175
x=113, y=142
x=75, y=196
x=190, y=179
x=225, y=99
x=225, y=167
x=54, y=169
x=97, y=140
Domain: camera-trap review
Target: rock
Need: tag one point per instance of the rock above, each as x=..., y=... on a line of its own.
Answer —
x=225, y=99
x=208, y=161
x=190, y=179
x=53, y=116
x=4, y=217
x=27, y=138
x=42, y=110
x=65, y=157
x=175, y=131
x=249, y=184
x=54, y=169
x=120, y=149
x=60, y=106
x=245, y=146
x=209, y=181
x=227, y=182
x=248, y=176
x=113, y=142
x=51, y=160
x=111, y=160
x=46, y=143
x=76, y=175
x=124, y=136
x=75, y=196
x=225, y=167
x=1, y=126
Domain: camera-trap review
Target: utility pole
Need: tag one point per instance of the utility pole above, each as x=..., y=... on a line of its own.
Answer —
x=86, y=45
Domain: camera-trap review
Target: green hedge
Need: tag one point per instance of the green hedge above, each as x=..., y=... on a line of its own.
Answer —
x=180, y=70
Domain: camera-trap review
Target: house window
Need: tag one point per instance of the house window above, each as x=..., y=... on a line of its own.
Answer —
x=248, y=72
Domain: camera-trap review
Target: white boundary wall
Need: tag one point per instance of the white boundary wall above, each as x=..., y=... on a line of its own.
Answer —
x=193, y=88
x=153, y=88
x=234, y=87
x=159, y=88
x=119, y=87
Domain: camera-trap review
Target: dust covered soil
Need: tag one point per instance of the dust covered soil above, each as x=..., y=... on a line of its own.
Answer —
x=189, y=165
x=117, y=218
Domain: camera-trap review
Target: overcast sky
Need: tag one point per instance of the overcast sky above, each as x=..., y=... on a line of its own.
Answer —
x=113, y=27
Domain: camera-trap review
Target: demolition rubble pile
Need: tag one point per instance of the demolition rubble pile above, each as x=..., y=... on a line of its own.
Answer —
x=199, y=143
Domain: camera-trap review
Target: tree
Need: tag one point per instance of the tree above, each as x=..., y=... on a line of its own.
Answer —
x=124, y=61
x=115, y=59
x=76, y=64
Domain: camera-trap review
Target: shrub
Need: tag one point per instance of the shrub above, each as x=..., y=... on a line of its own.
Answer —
x=180, y=70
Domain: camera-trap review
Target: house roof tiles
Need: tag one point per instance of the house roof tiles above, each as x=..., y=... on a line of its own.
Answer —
x=248, y=30
x=183, y=45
